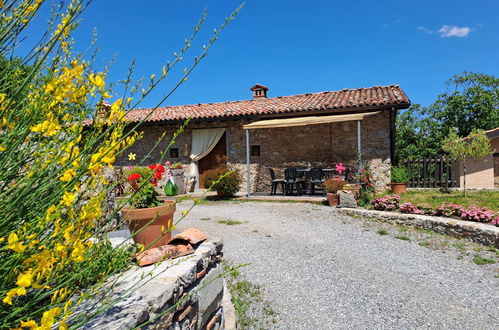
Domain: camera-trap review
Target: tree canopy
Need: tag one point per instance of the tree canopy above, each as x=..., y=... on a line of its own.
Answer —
x=471, y=102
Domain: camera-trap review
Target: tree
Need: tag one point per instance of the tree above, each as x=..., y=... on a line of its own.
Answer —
x=416, y=134
x=476, y=146
x=471, y=102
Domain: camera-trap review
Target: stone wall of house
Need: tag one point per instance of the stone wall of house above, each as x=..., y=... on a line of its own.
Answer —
x=184, y=293
x=304, y=146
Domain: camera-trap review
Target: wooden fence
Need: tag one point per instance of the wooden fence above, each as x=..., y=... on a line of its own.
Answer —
x=435, y=172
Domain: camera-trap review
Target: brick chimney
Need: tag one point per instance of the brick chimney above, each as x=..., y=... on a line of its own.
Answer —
x=103, y=109
x=259, y=91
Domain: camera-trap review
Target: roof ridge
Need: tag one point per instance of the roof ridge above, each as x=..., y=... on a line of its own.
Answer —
x=270, y=98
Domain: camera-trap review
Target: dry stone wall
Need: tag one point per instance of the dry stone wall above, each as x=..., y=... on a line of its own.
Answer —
x=481, y=233
x=193, y=282
x=303, y=146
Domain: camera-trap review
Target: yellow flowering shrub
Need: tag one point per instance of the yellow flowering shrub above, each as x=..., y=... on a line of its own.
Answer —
x=55, y=151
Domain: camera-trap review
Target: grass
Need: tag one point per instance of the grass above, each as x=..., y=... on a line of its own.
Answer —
x=479, y=260
x=404, y=238
x=229, y=222
x=382, y=232
x=435, y=198
x=424, y=243
x=247, y=300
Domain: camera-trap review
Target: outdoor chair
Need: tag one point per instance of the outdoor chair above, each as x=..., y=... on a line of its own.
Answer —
x=316, y=180
x=292, y=182
x=275, y=182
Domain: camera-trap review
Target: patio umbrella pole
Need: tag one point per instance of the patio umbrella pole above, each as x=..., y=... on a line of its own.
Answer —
x=247, y=163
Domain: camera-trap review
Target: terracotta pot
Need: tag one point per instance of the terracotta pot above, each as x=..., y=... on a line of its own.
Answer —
x=141, y=218
x=398, y=188
x=333, y=199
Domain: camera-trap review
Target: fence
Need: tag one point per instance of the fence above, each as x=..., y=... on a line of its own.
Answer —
x=433, y=172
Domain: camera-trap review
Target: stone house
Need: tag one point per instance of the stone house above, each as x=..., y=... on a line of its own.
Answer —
x=482, y=173
x=315, y=129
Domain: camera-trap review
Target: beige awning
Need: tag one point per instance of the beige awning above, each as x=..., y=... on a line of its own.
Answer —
x=304, y=121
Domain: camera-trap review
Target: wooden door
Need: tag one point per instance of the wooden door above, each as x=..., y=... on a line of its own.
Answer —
x=212, y=160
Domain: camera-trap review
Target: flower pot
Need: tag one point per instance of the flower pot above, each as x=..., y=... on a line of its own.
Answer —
x=398, y=188
x=333, y=199
x=151, y=234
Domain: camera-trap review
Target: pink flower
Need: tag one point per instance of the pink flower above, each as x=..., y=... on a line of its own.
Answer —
x=167, y=163
x=340, y=168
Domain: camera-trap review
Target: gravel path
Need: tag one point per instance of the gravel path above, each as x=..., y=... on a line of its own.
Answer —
x=322, y=270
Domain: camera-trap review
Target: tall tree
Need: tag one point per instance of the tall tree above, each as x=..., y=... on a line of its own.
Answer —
x=471, y=102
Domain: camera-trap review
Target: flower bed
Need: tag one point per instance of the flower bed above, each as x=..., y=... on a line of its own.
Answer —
x=472, y=213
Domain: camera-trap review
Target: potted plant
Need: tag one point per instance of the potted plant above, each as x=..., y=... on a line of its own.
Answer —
x=353, y=188
x=178, y=175
x=399, y=181
x=332, y=187
x=148, y=219
x=224, y=180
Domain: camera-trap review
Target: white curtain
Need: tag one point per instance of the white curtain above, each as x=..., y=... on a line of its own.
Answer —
x=203, y=142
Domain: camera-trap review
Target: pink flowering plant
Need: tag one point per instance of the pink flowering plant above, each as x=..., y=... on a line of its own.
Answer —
x=475, y=213
x=386, y=203
x=410, y=208
x=448, y=210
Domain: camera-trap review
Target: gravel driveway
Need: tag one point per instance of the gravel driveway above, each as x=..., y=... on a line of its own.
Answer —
x=322, y=270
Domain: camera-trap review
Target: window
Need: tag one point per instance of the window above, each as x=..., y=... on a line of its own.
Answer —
x=173, y=152
x=255, y=151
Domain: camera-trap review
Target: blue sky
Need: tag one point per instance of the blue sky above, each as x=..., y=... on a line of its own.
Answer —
x=296, y=47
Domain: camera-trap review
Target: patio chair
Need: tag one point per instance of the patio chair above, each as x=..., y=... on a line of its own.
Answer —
x=275, y=182
x=292, y=182
x=316, y=180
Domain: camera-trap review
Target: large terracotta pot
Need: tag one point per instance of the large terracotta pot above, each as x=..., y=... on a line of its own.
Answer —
x=151, y=232
x=398, y=188
x=333, y=199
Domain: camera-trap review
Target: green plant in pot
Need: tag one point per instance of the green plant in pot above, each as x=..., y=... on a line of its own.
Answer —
x=399, y=179
x=226, y=181
x=149, y=220
x=332, y=187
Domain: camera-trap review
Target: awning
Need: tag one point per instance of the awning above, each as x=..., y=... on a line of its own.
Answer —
x=304, y=121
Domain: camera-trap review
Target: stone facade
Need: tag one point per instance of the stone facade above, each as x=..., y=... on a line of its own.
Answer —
x=323, y=145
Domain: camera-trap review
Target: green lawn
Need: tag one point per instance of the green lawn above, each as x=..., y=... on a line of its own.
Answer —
x=489, y=199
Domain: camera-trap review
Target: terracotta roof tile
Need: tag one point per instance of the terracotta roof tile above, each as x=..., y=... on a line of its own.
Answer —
x=377, y=96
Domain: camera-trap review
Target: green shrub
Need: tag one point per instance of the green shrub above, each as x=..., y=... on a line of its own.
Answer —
x=226, y=182
x=399, y=175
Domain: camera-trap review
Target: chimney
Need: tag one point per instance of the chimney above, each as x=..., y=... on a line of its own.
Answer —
x=103, y=109
x=259, y=91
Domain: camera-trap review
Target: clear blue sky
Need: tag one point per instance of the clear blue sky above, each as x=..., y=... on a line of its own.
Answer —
x=296, y=47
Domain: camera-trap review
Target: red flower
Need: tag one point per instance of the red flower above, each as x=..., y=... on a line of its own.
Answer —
x=152, y=167
x=133, y=176
x=160, y=168
x=158, y=175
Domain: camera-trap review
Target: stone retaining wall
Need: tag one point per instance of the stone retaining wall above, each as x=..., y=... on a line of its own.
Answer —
x=478, y=232
x=194, y=280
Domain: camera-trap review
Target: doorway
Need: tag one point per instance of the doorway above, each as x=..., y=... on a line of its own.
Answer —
x=212, y=160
